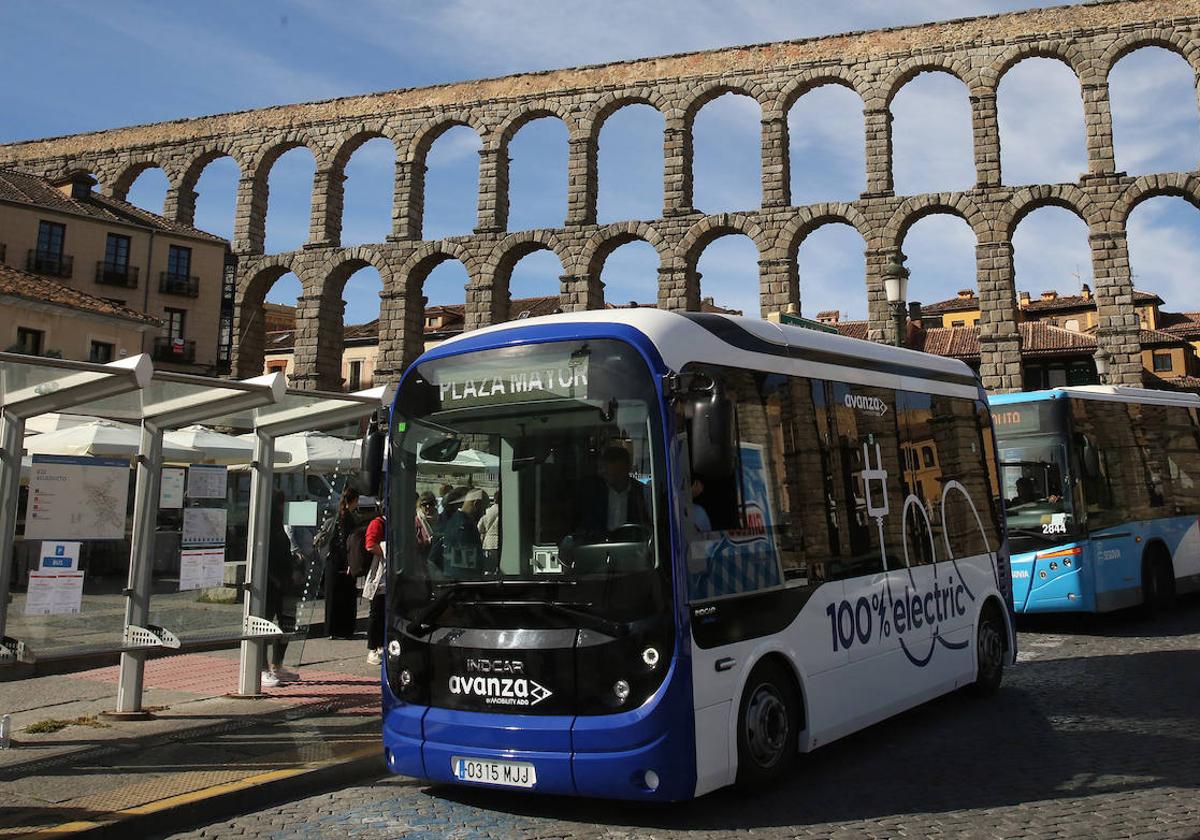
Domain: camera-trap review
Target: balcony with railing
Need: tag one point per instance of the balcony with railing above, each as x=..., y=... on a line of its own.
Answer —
x=116, y=274
x=178, y=284
x=168, y=349
x=50, y=265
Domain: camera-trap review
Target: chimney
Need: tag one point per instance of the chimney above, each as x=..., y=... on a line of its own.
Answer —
x=1086, y=292
x=914, y=312
x=1050, y=295
x=829, y=316
x=966, y=294
x=1023, y=299
x=77, y=184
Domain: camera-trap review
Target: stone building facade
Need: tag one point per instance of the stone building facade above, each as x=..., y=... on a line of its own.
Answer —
x=1090, y=39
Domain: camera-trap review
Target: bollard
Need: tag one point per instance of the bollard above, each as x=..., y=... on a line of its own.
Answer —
x=5, y=731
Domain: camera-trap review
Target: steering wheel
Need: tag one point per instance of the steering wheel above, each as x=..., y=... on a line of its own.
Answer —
x=629, y=532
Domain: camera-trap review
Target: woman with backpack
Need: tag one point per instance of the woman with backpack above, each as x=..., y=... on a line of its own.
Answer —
x=341, y=595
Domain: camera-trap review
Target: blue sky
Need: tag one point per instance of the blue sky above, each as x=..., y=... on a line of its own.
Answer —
x=124, y=62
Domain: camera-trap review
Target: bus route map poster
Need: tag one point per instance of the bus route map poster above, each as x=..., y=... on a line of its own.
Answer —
x=77, y=498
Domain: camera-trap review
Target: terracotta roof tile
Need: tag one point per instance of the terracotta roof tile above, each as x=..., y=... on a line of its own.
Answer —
x=32, y=287
x=852, y=329
x=22, y=188
x=1080, y=302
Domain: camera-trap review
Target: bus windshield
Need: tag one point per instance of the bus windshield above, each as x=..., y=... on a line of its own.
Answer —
x=524, y=483
x=1038, y=506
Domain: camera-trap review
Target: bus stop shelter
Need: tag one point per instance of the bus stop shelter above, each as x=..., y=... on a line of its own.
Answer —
x=131, y=391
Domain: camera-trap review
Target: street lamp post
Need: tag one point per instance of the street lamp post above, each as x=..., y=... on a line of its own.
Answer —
x=1102, y=360
x=895, y=286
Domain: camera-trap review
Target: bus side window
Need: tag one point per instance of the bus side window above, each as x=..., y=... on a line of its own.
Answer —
x=754, y=540
x=868, y=479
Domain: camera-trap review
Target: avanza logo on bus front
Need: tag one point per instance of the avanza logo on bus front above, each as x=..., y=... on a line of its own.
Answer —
x=498, y=682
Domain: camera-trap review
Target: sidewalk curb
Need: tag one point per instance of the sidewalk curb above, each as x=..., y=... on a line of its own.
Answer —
x=203, y=807
x=17, y=769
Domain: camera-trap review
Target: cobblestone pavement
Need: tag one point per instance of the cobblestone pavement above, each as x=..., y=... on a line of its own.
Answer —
x=1095, y=734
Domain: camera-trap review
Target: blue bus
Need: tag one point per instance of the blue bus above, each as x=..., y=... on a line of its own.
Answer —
x=1102, y=494
x=645, y=555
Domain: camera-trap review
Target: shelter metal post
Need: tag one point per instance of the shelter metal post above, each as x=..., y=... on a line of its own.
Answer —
x=141, y=563
x=12, y=430
x=258, y=536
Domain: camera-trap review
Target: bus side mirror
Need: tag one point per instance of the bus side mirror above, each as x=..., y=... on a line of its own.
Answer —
x=374, y=443
x=712, y=440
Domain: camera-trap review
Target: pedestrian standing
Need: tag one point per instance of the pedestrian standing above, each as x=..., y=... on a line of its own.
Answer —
x=375, y=588
x=280, y=601
x=489, y=533
x=341, y=596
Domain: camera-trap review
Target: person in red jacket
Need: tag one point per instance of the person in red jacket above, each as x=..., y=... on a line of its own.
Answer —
x=375, y=587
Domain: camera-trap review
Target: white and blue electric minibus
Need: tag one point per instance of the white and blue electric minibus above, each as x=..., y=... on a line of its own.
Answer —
x=674, y=550
x=1102, y=492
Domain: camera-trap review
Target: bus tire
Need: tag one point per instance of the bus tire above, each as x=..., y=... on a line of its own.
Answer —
x=1158, y=583
x=768, y=726
x=989, y=651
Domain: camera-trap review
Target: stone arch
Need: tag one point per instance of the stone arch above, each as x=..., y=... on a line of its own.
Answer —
x=124, y=178
x=1176, y=185
x=809, y=81
x=809, y=218
x=786, y=250
x=710, y=228
x=1068, y=53
x=349, y=142
x=699, y=98
x=959, y=68
x=185, y=208
x=252, y=221
x=600, y=245
x=488, y=300
x=1175, y=42
x=1027, y=199
x=249, y=333
x=591, y=123
x=424, y=138
x=918, y=207
x=325, y=322
x=505, y=132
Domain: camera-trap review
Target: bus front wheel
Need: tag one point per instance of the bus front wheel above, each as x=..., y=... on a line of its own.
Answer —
x=989, y=651
x=768, y=726
x=1158, y=584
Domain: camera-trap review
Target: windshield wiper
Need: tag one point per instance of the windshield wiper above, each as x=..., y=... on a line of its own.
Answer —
x=1029, y=532
x=587, y=620
x=422, y=621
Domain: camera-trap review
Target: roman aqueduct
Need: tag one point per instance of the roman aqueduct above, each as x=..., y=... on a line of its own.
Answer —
x=1089, y=39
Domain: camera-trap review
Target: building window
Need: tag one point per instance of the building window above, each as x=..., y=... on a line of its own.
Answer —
x=50, y=240
x=179, y=261
x=102, y=352
x=116, y=252
x=30, y=341
x=278, y=366
x=1072, y=324
x=176, y=321
x=1162, y=362
x=958, y=323
x=354, y=381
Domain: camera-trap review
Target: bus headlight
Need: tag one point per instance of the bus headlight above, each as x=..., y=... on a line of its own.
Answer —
x=621, y=690
x=394, y=647
x=405, y=678
x=650, y=657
